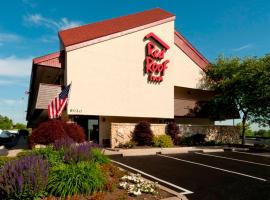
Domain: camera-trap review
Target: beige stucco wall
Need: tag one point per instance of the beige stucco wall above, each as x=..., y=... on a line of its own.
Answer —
x=108, y=77
x=186, y=73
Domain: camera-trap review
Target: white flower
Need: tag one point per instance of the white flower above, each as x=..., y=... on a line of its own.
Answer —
x=135, y=185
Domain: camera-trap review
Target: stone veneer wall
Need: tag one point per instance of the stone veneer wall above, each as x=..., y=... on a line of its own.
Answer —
x=122, y=132
x=223, y=134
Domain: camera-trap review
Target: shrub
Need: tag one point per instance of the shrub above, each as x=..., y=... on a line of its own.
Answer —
x=24, y=153
x=47, y=132
x=143, y=134
x=211, y=143
x=5, y=159
x=194, y=140
x=74, y=131
x=172, y=130
x=162, y=141
x=24, y=132
x=127, y=145
x=99, y=157
x=262, y=133
x=25, y=178
x=54, y=157
x=50, y=131
x=79, y=178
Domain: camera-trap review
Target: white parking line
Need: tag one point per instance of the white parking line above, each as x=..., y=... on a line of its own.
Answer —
x=155, y=178
x=217, y=168
x=240, y=160
x=254, y=154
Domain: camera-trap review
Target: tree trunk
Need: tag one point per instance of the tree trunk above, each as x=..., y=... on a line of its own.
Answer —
x=244, y=120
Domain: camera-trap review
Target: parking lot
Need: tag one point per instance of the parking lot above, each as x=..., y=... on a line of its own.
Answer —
x=222, y=175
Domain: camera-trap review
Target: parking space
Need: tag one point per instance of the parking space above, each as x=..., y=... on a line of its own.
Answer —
x=224, y=175
x=258, y=158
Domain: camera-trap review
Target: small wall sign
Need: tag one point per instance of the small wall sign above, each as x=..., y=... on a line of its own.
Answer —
x=75, y=110
x=155, y=66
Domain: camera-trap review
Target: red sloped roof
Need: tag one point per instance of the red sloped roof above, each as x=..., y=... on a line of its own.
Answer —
x=52, y=60
x=99, y=29
x=190, y=51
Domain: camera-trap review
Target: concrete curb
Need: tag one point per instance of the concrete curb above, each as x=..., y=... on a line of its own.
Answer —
x=177, y=196
x=235, y=149
x=154, y=151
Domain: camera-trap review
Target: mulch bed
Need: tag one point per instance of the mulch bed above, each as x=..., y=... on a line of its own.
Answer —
x=117, y=194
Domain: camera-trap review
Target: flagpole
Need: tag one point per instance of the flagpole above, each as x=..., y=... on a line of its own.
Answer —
x=68, y=98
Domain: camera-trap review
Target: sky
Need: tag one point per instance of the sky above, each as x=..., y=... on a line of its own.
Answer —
x=28, y=29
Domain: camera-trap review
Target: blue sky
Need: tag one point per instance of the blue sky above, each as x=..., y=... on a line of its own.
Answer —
x=28, y=28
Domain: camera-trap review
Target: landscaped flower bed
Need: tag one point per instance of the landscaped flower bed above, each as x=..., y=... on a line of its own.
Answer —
x=69, y=170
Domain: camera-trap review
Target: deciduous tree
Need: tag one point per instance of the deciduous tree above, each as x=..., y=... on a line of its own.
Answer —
x=5, y=123
x=244, y=82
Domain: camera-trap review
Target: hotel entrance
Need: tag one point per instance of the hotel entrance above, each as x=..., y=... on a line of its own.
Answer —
x=90, y=125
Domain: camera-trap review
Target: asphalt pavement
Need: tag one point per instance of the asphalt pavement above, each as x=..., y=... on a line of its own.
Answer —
x=213, y=176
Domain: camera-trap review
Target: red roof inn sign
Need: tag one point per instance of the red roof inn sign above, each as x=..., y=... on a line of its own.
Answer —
x=155, y=65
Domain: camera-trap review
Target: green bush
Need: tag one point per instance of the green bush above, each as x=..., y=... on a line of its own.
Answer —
x=262, y=133
x=77, y=178
x=24, y=153
x=211, y=143
x=5, y=159
x=54, y=157
x=172, y=129
x=99, y=157
x=127, y=145
x=193, y=140
x=162, y=141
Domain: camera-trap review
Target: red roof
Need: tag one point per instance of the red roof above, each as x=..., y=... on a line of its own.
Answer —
x=190, y=51
x=99, y=29
x=52, y=60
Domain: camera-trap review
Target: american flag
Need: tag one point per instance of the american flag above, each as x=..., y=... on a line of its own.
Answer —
x=57, y=105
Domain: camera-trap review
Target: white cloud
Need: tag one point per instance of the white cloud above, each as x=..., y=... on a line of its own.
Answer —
x=39, y=20
x=14, y=108
x=29, y=3
x=9, y=37
x=15, y=67
x=8, y=102
x=49, y=38
x=247, y=46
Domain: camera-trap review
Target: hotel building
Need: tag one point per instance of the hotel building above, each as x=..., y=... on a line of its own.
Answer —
x=123, y=70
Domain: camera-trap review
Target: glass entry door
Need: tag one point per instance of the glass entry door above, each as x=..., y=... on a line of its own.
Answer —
x=93, y=130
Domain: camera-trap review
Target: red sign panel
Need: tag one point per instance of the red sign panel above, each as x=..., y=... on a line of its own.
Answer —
x=155, y=65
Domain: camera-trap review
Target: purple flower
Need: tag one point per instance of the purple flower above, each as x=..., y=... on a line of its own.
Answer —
x=79, y=152
x=20, y=183
x=28, y=174
x=63, y=143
